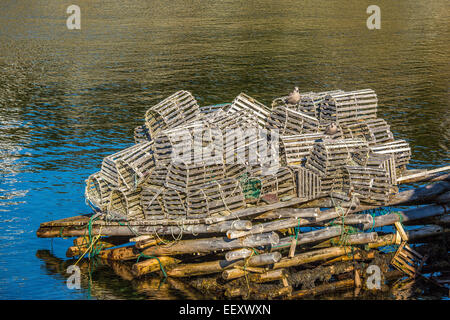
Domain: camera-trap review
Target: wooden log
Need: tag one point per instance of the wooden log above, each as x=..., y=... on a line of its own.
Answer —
x=309, y=237
x=424, y=175
x=122, y=253
x=238, y=254
x=207, y=245
x=407, y=216
x=210, y=267
x=234, y=273
x=151, y=265
x=334, y=286
x=420, y=195
x=306, y=213
x=351, y=239
x=271, y=275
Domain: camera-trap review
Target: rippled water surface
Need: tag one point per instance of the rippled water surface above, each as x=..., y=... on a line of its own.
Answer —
x=69, y=98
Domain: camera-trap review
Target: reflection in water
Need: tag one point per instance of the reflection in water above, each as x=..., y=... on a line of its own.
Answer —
x=69, y=98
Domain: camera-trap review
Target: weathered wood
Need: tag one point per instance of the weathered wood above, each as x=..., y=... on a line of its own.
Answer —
x=151, y=265
x=424, y=175
x=210, y=267
x=238, y=254
x=271, y=275
x=207, y=245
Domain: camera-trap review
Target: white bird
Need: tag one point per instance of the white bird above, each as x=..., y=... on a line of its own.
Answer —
x=294, y=97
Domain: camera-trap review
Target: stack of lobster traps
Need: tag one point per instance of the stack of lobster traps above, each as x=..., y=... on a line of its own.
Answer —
x=229, y=189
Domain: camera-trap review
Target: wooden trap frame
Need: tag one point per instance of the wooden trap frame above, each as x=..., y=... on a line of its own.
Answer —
x=128, y=167
x=406, y=259
x=181, y=107
x=370, y=185
x=280, y=184
x=151, y=202
x=125, y=204
x=375, y=160
x=291, y=122
x=399, y=148
x=308, y=183
x=328, y=158
x=295, y=148
x=374, y=131
x=184, y=176
x=245, y=102
x=98, y=191
x=348, y=107
x=218, y=197
x=310, y=102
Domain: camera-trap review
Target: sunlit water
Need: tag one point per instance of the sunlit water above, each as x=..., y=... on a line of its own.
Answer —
x=69, y=98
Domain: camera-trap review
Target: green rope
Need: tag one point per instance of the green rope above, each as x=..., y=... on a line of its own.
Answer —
x=153, y=257
x=251, y=187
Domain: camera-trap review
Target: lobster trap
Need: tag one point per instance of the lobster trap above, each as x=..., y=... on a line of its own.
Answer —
x=374, y=160
x=347, y=107
x=245, y=102
x=291, y=122
x=221, y=196
x=374, y=131
x=98, y=191
x=408, y=260
x=279, y=185
x=370, y=185
x=310, y=102
x=295, y=148
x=181, y=107
x=128, y=167
x=125, y=204
x=328, y=158
x=399, y=148
x=184, y=176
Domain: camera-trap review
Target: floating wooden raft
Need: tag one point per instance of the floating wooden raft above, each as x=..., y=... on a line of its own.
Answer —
x=374, y=131
x=245, y=102
x=296, y=148
x=328, y=158
x=399, y=148
x=348, y=107
x=128, y=167
x=179, y=108
x=291, y=122
x=370, y=185
x=214, y=197
x=98, y=191
x=141, y=134
x=125, y=204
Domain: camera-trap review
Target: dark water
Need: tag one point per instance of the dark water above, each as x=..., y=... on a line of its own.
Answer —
x=68, y=98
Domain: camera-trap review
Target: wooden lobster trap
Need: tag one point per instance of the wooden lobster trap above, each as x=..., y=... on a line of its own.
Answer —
x=128, y=167
x=221, y=196
x=183, y=176
x=125, y=204
x=348, y=107
x=263, y=152
x=374, y=131
x=181, y=107
x=151, y=202
x=188, y=143
x=141, y=134
x=408, y=260
x=370, y=185
x=296, y=148
x=375, y=160
x=328, y=157
x=291, y=122
x=245, y=102
x=310, y=102
x=98, y=191
x=158, y=175
x=279, y=185
x=399, y=148
x=308, y=183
